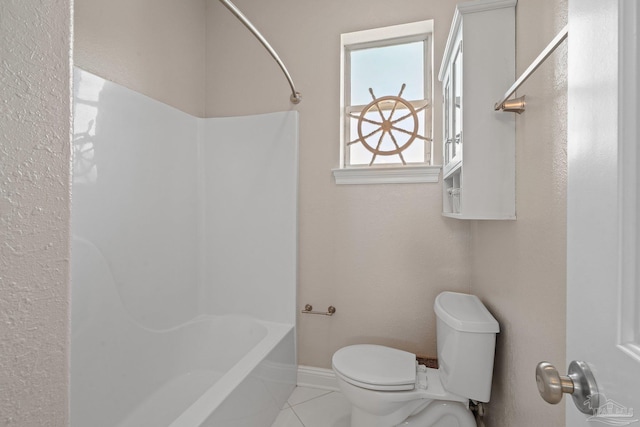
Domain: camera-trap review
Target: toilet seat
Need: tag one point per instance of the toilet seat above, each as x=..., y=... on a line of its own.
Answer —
x=376, y=367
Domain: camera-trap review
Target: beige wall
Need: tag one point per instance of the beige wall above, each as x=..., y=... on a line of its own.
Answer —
x=155, y=47
x=359, y=249
x=34, y=212
x=379, y=253
x=518, y=268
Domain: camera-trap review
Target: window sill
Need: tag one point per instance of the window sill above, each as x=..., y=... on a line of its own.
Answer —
x=387, y=175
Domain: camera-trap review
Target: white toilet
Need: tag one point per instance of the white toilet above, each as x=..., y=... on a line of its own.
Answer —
x=387, y=388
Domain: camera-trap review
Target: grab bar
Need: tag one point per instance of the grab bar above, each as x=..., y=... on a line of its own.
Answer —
x=308, y=309
x=517, y=105
x=295, y=95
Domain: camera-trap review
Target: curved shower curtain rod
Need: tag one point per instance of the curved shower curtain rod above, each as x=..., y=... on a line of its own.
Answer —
x=295, y=95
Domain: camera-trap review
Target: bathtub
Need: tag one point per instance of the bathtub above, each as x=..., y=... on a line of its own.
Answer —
x=175, y=255
x=223, y=371
x=215, y=371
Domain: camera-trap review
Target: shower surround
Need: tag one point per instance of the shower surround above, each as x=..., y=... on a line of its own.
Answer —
x=184, y=263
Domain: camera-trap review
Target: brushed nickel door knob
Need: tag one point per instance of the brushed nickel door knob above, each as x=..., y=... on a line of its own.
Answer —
x=551, y=385
x=580, y=384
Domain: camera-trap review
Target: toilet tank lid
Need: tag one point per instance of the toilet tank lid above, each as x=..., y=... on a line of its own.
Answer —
x=465, y=313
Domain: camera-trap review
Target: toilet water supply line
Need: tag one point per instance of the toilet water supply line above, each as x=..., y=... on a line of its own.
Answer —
x=295, y=95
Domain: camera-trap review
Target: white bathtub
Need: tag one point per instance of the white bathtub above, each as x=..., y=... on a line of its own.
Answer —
x=223, y=371
x=172, y=219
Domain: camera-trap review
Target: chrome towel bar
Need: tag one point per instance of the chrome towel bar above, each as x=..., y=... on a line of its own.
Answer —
x=295, y=95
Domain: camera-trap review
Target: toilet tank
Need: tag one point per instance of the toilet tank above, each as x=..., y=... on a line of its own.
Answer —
x=466, y=341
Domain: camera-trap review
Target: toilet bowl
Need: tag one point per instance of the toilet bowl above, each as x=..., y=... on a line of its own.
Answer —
x=387, y=388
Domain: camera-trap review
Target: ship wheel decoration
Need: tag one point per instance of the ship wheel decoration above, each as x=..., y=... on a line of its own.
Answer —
x=388, y=125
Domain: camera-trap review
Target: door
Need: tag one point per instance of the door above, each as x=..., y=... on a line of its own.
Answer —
x=603, y=226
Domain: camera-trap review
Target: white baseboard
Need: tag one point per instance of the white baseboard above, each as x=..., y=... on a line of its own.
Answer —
x=325, y=379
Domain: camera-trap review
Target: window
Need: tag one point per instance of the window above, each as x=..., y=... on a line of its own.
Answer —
x=386, y=87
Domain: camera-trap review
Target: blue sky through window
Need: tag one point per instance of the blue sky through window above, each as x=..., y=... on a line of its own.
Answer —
x=385, y=69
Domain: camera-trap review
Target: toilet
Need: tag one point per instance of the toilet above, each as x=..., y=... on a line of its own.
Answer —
x=388, y=388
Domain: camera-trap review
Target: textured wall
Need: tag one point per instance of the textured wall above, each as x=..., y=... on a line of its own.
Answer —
x=34, y=211
x=518, y=268
x=379, y=253
x=155, y=47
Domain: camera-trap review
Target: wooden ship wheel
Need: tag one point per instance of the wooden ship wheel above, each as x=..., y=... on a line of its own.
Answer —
x=388, y=125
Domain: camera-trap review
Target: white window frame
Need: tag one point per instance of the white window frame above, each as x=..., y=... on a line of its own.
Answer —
x=379, y=37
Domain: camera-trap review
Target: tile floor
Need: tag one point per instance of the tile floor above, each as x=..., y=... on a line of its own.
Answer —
x=312, y=407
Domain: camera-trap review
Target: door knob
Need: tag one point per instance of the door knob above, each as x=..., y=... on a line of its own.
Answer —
x=580, y=384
